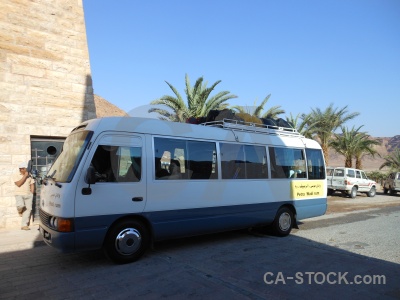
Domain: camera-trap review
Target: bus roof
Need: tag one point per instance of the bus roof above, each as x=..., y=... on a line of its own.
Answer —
x=227, y=130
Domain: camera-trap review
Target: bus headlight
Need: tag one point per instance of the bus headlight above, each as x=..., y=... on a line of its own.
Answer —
x=61, y=224
x=53, y=222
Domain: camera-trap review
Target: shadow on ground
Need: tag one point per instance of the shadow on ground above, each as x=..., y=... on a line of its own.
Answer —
x=238, y=265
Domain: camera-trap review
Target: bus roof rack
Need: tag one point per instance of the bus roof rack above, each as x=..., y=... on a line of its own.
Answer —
x=252, y=127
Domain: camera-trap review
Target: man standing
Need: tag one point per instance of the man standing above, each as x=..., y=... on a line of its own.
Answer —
x=24, y=189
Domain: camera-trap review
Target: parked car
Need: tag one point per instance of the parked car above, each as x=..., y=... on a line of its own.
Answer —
x=392, y=183
x=349, y=181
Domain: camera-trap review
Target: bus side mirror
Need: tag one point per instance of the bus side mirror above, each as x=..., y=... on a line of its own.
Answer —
x=90, y=178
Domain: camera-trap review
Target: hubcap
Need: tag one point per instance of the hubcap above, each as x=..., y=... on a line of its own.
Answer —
x=128, y=241
x=285, y=221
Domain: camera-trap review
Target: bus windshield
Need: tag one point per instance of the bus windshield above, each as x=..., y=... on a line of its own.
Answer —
x=64, y=167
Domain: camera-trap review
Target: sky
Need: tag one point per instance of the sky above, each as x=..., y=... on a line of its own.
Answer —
x=306, y=54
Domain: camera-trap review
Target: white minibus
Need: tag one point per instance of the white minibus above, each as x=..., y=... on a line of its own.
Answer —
x=122, y=183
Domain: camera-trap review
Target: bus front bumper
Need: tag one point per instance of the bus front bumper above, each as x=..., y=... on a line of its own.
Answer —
x=63, y=241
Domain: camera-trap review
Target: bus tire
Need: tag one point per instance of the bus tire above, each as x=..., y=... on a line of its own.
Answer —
x=283, y=222
x=126, y=241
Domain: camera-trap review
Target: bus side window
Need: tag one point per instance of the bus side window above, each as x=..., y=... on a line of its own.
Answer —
x=256, y=163
x=161, y=172
x=287, y=163
x=243, y=161
x=278, y=170
x=102, y=164
x=129, y=166
x=117, y=164
x=174, y=169
x=167, y=151
x=201, y=157
x=232, y=161
x=315, y=164
x=194, y=159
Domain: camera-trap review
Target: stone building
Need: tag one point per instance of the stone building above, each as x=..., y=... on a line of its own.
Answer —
x=45, y=86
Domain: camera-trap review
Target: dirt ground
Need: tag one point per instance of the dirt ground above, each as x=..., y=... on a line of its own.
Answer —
x=338, y=203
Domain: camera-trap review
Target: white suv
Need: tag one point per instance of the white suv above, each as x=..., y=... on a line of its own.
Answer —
x=392, y=183
x=349, y=181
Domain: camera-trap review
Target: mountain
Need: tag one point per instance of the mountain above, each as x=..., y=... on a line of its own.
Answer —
x=388, y=145
x=394, y=143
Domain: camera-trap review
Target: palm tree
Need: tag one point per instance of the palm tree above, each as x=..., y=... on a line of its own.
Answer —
x=365, y=146
x=326, y=122
x=353, y=143
x=377, y=176
x=301, y=123
x=344, y=144
x=272, y=113
x=392, y=161
x=198, y=102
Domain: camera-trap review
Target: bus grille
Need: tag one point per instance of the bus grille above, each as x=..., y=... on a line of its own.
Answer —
x=44, y=217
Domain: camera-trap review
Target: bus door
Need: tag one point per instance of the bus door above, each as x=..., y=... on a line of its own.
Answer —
x=120, y=187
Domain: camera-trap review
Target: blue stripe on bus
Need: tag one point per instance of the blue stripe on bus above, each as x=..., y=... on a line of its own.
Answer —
x=310, y=208
x=90, y=231
x=178, y=223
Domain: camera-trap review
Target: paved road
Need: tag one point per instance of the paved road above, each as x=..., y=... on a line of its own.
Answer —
x=326, y=258
x=373, y=233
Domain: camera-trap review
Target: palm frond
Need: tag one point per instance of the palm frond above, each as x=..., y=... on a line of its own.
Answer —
x=198, y=101
x=260, y=108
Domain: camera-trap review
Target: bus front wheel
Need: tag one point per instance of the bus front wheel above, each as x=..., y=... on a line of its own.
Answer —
x=126, y=241
x=283, y=222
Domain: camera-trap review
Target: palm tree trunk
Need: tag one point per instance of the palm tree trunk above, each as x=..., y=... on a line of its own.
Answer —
x=348, y=162
x=358, y=163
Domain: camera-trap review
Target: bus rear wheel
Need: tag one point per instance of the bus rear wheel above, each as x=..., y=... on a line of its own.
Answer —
x=126, y=241
x=283, y=222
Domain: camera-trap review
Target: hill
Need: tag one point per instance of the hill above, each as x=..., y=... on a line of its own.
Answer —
x=388, y=145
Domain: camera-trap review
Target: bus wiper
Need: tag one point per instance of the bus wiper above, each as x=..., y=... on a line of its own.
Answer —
x=57, y=184
x=47, y=177
x=52, y=175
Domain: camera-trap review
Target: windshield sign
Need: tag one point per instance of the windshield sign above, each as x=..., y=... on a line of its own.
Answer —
x=64, y=167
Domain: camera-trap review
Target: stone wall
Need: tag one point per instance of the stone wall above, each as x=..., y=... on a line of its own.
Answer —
x=45, y=82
